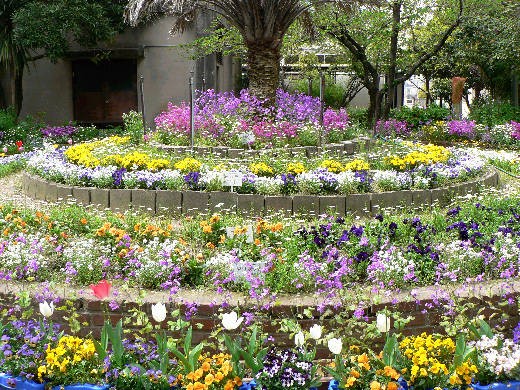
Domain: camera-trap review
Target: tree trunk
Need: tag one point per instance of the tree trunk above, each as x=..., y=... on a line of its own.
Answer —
x=264, y=70
x=374, y=109
x=427, y=88
x=16, y=81
x=2, y=98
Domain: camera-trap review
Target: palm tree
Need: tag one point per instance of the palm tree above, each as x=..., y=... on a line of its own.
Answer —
x=13, y=56
x=262, y=24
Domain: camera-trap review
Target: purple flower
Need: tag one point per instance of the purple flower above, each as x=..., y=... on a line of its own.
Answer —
x=192, y=180
x=464, y=129
x=516, y=334
x=118, y=176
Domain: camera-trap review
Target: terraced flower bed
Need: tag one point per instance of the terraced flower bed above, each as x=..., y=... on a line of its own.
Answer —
x=114, y=163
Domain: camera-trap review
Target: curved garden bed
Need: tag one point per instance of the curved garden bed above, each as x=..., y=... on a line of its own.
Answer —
x=197, y=202
x=113, y=173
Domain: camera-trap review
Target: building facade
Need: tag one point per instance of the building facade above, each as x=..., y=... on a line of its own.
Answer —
x=98, y=85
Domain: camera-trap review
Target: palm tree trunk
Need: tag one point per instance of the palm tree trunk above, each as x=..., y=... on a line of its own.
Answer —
x=264, y=70
x=16, y=87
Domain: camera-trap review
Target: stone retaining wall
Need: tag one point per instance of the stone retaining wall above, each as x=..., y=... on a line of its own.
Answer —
x=343, y=148
x=195, y=202
x=426, y=310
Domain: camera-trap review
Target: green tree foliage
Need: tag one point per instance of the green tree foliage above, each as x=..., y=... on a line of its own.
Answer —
x=391, y=38
x=486, y=47
x=34, y=29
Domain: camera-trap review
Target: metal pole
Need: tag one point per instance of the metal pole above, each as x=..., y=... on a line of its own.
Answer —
x=141, y=90
x=515, y=90
x=192, y=112
x=203, y=84
x=322, y=103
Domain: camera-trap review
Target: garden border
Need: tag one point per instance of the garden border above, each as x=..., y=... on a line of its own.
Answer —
x=347, y=148
x=198, y=202
x=422, y=304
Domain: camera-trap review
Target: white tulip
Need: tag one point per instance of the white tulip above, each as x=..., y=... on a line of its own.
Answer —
x=383, y=322
x=159, y=312
x=335, y=346
x=299, y=339
x=231, y=321
x=46, y=308
x=315, y=331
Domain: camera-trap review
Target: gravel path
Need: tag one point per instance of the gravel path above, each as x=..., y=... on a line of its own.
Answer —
x=11, y=192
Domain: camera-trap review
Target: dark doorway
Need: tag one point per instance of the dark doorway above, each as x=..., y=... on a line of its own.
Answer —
x=104, y=91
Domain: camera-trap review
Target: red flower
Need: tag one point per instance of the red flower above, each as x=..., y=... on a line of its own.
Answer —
x=102, y=289
x=19, y=144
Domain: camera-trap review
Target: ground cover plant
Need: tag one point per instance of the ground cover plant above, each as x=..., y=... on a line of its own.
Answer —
x=263, y=257
x=389, y=166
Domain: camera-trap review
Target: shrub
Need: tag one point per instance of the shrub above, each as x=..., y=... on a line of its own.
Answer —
x=417, y=116
x=494, y=113
x=359, y=116
x=7, y=119
x=133, y=122
x=334, y=93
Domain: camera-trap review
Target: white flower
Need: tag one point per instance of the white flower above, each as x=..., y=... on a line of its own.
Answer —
x=159, y=312
x=383, y=322
x=315, y=331
x=299, y=339
x=46, y=308
x=231, y=321
x=335, y=346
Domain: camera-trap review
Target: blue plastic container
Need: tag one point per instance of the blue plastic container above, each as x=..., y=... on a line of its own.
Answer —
x=511, y=385
x=252, y=386
x=11, y=382
x=248, y=385
x=82, y=386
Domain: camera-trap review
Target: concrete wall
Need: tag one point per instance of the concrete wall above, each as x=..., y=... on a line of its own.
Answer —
x=163, y=66
x=48, y=89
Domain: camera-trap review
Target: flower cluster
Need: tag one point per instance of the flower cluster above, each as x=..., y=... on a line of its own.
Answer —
x=423, y=155
x=72, y=360
x=429, y=360
x=285, y=369
x=223, y=118
x=91, y=155
x=362, y=369
x=498, y=359
x=63, y=132
x=23, y=345
x=392, y=127
x=214, y=372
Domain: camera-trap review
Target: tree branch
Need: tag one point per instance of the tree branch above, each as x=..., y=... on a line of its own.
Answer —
x=425, y=57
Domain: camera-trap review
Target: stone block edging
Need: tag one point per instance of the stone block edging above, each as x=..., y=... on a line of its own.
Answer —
x=254, y=205
x=342, y=148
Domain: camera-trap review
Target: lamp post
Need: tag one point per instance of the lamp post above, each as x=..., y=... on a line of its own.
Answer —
x=192, y=112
